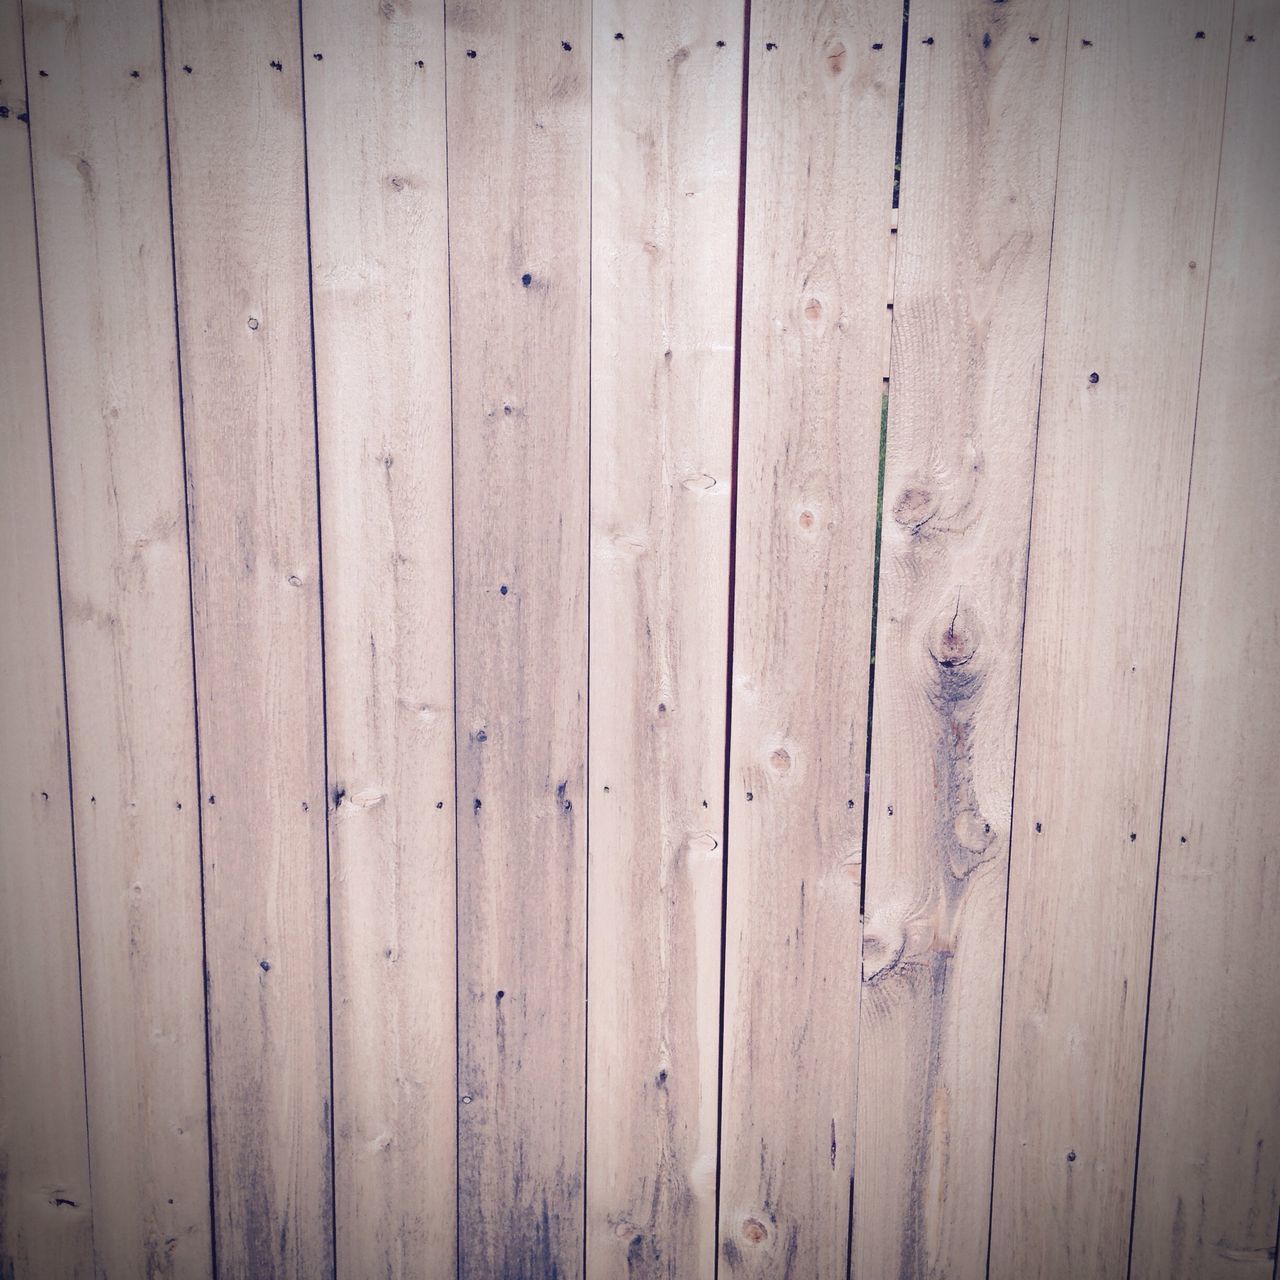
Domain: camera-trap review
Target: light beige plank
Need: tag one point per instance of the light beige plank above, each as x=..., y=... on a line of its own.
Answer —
x=667, y=99
x=1209, y=1157
x=376, y=144
x=979, y=161
x=1140, y=140
x=240, y=223
x=46, y=1224
x=519, y=199
x=820, y=142
x=102, y=196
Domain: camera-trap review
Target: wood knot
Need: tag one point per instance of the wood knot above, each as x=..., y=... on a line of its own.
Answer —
x=754, y=1231
x=813, y=309
x=780, y=759
x=806, y=519
x=836, y=55
x=914, y=509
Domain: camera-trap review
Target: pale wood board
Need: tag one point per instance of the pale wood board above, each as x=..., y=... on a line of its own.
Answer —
x=979, y=161
x=666, y=138
x=239, y=202
x=1141, y=129
x=519, y=199
x=1208, y=1188
x=822, y=109
x=102, y=195
x=376, y=144
x=46, y=1222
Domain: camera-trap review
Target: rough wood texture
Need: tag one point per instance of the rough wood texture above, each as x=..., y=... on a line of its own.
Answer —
x=979, y=161
x=45, y=1218
x=519, y=191
x=1139, y=161
x=102, y=195
x=239, y=203
x=1209, y=1158
x=666, y=140
x=821, y=120
x=376, y=142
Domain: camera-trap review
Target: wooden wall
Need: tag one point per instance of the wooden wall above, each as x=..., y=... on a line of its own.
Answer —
x=641, y=637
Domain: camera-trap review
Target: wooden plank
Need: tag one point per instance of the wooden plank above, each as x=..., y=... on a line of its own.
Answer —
x=1208, y=1188
x=666, y=103
x=240, y=226
x=1140, y=141
x=376, y=143
x=820, y=145
x=46, y=1226
x=979, y=159
x=102, y=193
x=519, y=81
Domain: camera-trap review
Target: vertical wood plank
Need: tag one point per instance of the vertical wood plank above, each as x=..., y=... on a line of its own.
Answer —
x=820, y=146
x=1140, y=142
x=45, y=1217
x=1208, y=1188
x=236, y=135
x=667, y=94
x=98, y=136
x=979, y=159
x=519, y=84
x=376, y=145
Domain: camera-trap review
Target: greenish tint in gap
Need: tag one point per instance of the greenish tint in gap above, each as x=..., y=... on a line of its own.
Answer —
x=871, y=682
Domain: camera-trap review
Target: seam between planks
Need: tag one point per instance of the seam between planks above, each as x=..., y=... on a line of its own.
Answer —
x=586, y=764
x=453, y=659
x=1022, y=649
x=62, y=641
x=195, y=700
x=324, y=671
x=729, y=621
x=1173, y=671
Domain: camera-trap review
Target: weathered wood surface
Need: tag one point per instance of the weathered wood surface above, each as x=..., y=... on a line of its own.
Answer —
x=1142, y=123
x=819, y=184
x=378, y=200
x=239, y=209
x=102, y=197
x=1208, y=1188
x=46, y=1220
x=666, y=145
x=519, y=104
x=979, y=162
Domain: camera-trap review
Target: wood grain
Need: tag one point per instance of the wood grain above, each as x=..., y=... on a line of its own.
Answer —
x=102, y=195
x=821, y=120
x=376, y=142
x=519, y=192
x=979, y=161
x=666, y=142
x=1140, y=141
x=46, y=1221
x=1208, y=1188
x=239, y=204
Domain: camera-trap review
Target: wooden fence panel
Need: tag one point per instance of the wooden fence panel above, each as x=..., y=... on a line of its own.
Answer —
x=1208, y=1188
x=822, y=102
x=1141, y=129
x=102, y=195
x=46, y=1221
x=979, y=162
x=519, y=85
x=239, y=206
x=375, y=137
x=666, y=142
